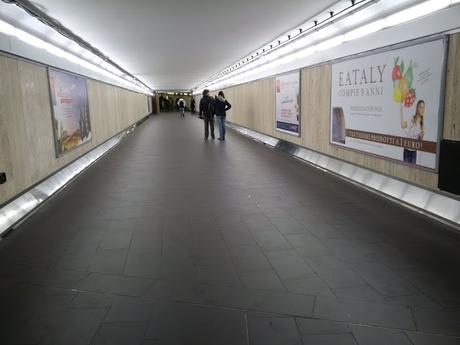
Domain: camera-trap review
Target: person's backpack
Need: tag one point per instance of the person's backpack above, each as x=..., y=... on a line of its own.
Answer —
x=211, y=107
x=181, y=104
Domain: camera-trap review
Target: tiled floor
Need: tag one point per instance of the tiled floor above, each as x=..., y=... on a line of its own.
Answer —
x=171, y=239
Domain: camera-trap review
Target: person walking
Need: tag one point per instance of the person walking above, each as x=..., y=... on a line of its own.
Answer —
x=192, y=106
x=221, y=107
x=181, y=105
x=207, y=111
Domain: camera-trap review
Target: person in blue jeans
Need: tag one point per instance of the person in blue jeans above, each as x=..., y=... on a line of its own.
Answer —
x=221, y=106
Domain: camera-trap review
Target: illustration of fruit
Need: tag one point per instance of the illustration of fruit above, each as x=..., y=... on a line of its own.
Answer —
x=396, y=74
x=409, y=75
x=410, y=98
x=403, y=91
x=397, y=96
x=404, y=86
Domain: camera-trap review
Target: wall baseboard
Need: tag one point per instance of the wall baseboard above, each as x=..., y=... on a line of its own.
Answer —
x=432, y=204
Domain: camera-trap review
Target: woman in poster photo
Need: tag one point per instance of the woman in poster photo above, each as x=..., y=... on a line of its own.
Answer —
x=414, y=129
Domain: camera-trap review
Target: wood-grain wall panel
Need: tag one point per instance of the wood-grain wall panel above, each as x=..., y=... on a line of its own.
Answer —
x=452, y=102
x=27, y=152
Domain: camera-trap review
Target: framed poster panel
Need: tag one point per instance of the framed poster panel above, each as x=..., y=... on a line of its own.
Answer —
x=288, y=103
x=389, y=104
x=70, y=110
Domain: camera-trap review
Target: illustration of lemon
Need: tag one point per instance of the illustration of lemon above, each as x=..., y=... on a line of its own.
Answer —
x=404, y=86
x=397, y=94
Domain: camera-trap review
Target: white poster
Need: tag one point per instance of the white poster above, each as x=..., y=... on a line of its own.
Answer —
x=388, y=104
x=69, y=98
x=288, y=103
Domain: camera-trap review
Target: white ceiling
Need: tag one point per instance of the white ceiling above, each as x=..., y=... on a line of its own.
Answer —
x=175, y=44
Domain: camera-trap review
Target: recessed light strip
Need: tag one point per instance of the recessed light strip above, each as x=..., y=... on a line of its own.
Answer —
x=291, y=53
x=98, y=65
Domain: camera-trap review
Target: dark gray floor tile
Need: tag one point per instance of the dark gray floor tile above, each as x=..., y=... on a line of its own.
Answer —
x=412, y=301
x=249, y=258
x=268, y=331
x=289, y=264
x=189, y=324
x=73, y=326
x=265, y=280
x=130, y=309
x=288, y=225
x=440, y=320
x=108, y=261
x=431, y=339
x=329, y=339
x=58, y=278
x=120, y=334
x=315, y=326
x=121, y=224
x=147, y=265
x=90, y=300
x=270, y=240
x=307, y=245
x=308, y=286
x=384, y=280
x=322, y=230
x=120, y=239
x=242, y=298
x=218, y=275
x=258, y=222
x=146, y=242
x=366, y=335
x=276, y=212
x=374, y=314
x=360, y=293
x=76, y=259
x=351, y=250
x=128, y=286
x=334, y=272
x=237, y=236
x=156, y=266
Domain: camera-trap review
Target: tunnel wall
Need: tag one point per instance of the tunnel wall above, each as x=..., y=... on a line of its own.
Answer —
x=254, y=107
x=27, y=150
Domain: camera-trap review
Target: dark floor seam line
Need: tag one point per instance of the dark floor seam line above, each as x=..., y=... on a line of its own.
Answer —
x=298, y=331
x=246, y=322
x=100, y=325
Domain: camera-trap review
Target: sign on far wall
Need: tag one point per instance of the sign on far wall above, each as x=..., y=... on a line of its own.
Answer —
x=69, y=99
x=288, y=103
x=388, y=104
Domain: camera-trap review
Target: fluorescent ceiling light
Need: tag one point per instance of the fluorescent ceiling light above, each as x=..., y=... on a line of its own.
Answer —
x=365, y=30
x=417, y=11
x=269, y=60
x=330, y=43
x=108, y=70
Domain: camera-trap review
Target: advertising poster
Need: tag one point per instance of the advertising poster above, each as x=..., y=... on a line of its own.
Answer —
x=69, y=98
x=388, y=104
x=288, y=103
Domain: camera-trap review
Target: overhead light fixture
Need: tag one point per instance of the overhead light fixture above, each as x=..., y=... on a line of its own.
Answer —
x=417, y=11
x=291, y=52
x=97, y=65
x=365, y=30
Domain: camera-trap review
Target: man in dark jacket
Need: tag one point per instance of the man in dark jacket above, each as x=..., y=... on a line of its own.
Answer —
x=221, y=106
x=207, y=111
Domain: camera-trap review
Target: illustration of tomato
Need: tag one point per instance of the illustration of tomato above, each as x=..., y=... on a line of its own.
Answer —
x=396, y=73
x=410, y=98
